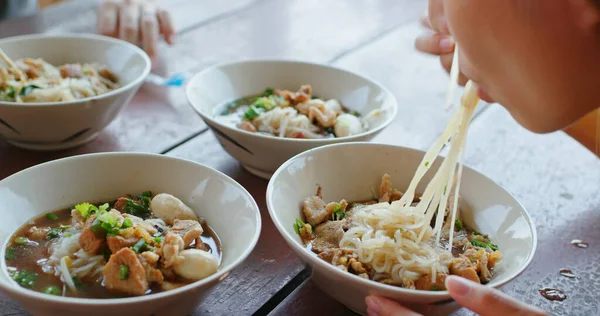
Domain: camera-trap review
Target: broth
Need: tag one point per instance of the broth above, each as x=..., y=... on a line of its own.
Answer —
x=29, y=250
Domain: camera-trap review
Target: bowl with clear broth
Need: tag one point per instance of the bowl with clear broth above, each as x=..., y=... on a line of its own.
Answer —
x=121, y=234
x=264, y=112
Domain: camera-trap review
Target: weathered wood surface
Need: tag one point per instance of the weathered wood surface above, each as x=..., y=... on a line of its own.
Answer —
x=158, y=119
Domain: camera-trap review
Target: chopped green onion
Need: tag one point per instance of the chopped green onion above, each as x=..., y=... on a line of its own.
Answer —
x=458, y=224
x=139, y=245
x=25, y=278
x=483, y=244
x=298, y=225
x=435, y=288
x=157, y=240
x=147, y=193
x=355, y=113
x=445, y=189
x=10, y=254
x=426, y=163
x=52, y=216
x=127, y=223
x=52, y=290
x=22, y=241
x=471, y=259
x=103, y=207
x=123, y=272
x=338, y=213
x=27, y=89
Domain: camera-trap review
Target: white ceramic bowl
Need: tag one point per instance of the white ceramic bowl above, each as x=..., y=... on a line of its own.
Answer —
x=210, y=89
x=52, y=126
x=228, y=208
x=350, y=171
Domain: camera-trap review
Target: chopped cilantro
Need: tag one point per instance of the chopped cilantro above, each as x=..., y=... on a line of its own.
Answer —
x=426, y=163
x=355, y=113
x=10, y=254
x=435, y=288
x=53, y=233
x=138, y=210
x=25, y=278
x=86, y=209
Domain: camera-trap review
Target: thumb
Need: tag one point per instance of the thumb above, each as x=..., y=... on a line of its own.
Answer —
x=379, y=306
x=486, y=301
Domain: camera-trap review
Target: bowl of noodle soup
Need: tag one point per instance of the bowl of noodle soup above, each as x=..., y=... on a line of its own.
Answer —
x=353, y=172
x=40, y=195
x=272, y=99
x=59, y=100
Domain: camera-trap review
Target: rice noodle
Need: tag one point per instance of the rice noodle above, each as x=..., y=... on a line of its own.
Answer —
x=396, y=238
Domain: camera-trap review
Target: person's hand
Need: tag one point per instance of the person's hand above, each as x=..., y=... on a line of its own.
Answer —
x=136, y=21
x=438, y=41
x=480, y=299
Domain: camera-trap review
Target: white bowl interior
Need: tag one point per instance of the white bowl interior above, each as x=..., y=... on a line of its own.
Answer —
x=228, y=208
x=353, y=171
x=121, y=57
x=209, y=90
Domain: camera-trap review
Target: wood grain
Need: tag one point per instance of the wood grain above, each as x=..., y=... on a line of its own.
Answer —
x=158, y=120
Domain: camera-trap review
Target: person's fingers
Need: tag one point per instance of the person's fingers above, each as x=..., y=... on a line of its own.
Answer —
x=485, y=300
x=166, y=26
x=425, y=21
x=129, y=19
x=108, y=18
x=149, y=28
x=437, y=18
x=446, y=61
x=379, y=306
x=436, y=44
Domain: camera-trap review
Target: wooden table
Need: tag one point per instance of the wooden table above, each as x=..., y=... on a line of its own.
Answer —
x=555, y=178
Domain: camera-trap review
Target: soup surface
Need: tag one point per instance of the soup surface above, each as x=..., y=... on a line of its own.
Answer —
x=300, y=114
x=129, y=247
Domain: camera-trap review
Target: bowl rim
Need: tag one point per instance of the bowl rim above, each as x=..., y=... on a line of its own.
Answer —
x=320, y=264
x=96, y=37
x=12, y=289
x=208, y=117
